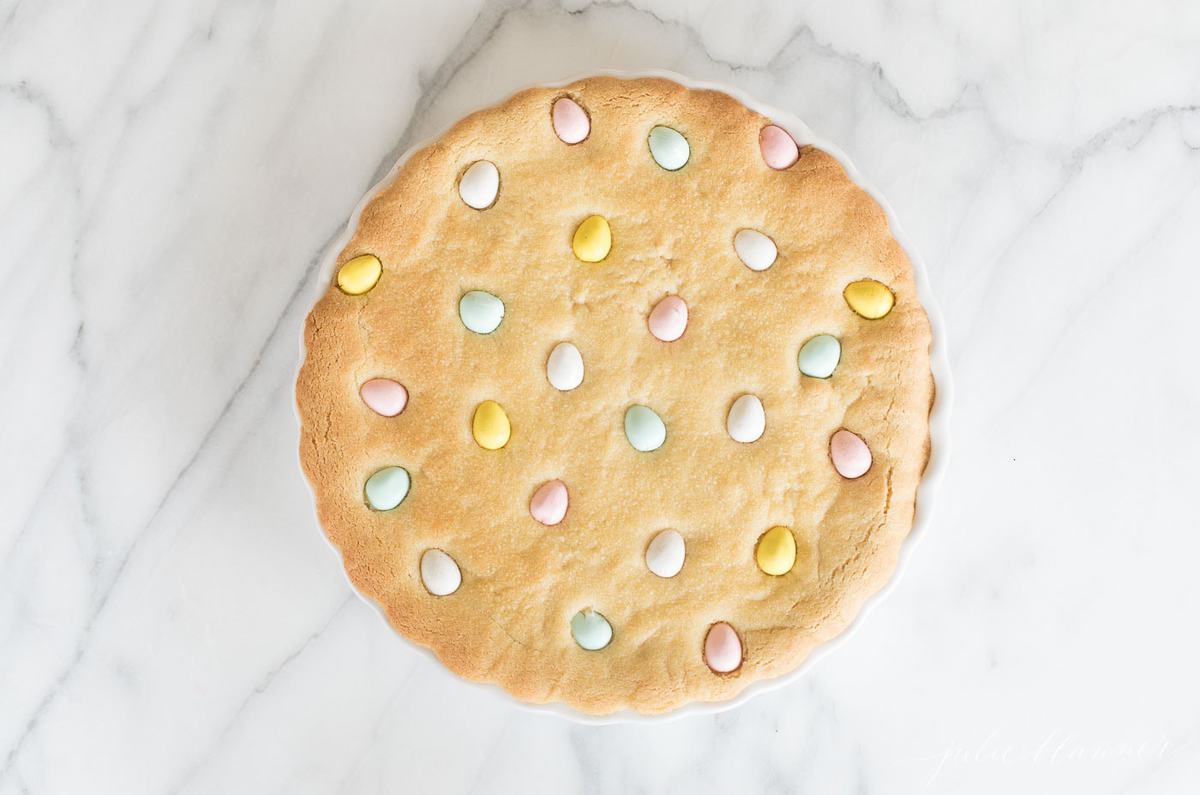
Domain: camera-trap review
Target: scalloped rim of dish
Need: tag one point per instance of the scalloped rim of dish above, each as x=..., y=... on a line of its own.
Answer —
x=939, y=414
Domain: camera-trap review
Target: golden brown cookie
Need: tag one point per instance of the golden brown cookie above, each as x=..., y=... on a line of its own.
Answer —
x=734, y=472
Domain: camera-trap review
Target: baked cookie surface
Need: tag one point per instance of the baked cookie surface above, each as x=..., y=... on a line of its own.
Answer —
x=618, y=399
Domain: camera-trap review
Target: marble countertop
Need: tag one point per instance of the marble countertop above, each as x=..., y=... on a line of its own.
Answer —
x=170, y=618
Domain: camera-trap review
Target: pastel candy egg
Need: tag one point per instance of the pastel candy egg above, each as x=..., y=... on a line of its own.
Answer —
x=869, y=298
x=593, y=239
x=819, y=356
x=481, y=312
x=755, y=249
x=439, y=572
x=747, y=420
x=564, y=368
x=850, y=454
x=665, y=554
x=479, y=184
x=722, y=648
x=384, y=396
x=668, y=319
x=779, y=149
x=669, y=148
x=360, y=274
x=490, y=426
x=644, y=429
x=571, y=122
x=387, y=488
x=776, y=551
x=549, y=503
x=591, y=630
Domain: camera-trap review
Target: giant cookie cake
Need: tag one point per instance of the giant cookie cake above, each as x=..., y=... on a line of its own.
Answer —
x=619, y=397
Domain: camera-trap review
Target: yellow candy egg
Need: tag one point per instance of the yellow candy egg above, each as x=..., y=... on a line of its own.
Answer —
x=360, y=274
x=776, y=552
x=490, y=426
x=593, y=239
x=869, y=298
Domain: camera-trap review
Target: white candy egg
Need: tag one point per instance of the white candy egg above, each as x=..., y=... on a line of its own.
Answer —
x=747, y=419
x=479, y=184
x=439, y=572
x=564, y=368
x=755, y=249
x=665, y=554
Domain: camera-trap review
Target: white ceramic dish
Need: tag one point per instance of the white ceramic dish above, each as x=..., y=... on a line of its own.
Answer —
x=939, y=418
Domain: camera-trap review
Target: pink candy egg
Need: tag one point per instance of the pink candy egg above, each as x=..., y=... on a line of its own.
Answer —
x=384, y=396
x=549, y=503
x=571, y=122
x=779, y=149
x=850, y=454
x=669, y=318
x=722, y=648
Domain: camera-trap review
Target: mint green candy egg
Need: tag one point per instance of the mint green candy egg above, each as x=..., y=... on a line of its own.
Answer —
x=644, y=429
x=819, y=356
x=387, y=488
x=481, y=312
x=669, y=148
x=591, y=630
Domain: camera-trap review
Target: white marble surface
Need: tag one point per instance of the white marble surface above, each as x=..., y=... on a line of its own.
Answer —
x=171, y=621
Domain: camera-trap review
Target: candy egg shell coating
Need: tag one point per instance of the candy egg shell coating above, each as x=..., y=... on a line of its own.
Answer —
x=549, y=503
x=480, y=312
x=665, y=554
x=644, y=429
x=359, y=275
x=490, y=425
x=668, y=320
x=387, y=488
x=591, y=630
x=779, y=149
x=571, y=122
x=775, y=552
x=747, y=420
x=480, y=185
x=869, y=298
x=564, y=368
x=384, y=396
x=756, y=251
x=669, y=148
x=722, y=648
x=439, y=573
x=592, y=240
x=819, y=356
x=850, y=454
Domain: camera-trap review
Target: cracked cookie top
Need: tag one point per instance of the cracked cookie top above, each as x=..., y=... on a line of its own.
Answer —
x=619, y=397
